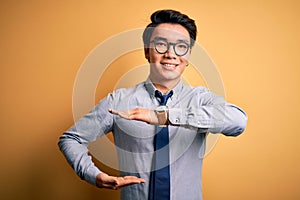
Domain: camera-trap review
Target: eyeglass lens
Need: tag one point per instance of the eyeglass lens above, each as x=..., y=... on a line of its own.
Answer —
x=162, y=46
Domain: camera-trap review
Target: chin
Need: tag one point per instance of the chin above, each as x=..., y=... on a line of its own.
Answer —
x=170, y=77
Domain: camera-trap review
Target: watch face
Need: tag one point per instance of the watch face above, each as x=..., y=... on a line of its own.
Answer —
x=161, y=109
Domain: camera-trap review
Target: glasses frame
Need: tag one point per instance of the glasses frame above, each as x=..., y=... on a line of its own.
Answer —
x=154, y=41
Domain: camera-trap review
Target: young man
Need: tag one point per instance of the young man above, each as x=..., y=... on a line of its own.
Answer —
x=159, y=126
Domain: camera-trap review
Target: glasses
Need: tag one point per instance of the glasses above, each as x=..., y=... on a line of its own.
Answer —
x=162, y=46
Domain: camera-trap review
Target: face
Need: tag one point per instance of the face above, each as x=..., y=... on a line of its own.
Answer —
x=168, y=66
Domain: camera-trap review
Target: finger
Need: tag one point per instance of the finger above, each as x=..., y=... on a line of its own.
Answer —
x=134, y=179
x=113, y=111
x=122, y=113
x=129, y=180
x=108, y=180
x=153, y=117
x=109, y=186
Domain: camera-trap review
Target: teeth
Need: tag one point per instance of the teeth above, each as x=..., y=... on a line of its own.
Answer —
x=169, y=65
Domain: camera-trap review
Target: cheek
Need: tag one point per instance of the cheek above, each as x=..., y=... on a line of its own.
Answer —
x=154, y=57
x=185, y=58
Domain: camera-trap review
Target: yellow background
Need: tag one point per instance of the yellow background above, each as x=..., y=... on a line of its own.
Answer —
x=255, y=45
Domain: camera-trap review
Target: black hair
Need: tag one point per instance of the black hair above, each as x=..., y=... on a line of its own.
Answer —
x=172, y=17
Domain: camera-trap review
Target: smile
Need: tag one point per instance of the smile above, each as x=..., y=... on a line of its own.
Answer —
x=169, y=66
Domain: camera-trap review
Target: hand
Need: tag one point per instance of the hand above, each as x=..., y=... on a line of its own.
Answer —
x=141, y=114
x=112, y=182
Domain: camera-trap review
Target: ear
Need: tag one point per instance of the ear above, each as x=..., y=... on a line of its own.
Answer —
x=146, y=52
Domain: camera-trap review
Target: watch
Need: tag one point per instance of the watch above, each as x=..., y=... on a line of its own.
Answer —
x=162, y=115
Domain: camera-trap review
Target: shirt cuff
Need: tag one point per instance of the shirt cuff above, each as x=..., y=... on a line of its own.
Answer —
x=195, y=118
x=176, y=116
x=91, y=175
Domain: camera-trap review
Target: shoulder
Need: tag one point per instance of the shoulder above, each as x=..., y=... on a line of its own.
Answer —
x=195, y=89
x=201, y=94
x=120, y=93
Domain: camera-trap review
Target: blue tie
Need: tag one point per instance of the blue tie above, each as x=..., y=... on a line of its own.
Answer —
x=160, y=175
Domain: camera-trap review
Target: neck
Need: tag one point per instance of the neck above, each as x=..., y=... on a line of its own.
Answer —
x=164, y=86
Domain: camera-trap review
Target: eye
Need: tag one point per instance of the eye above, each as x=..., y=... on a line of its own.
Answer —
x=161, y=43
x=182, y=46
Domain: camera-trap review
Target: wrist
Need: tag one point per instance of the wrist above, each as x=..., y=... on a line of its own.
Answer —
x=162, y=115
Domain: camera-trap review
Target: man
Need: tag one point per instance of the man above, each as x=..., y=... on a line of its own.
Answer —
x=159, y=126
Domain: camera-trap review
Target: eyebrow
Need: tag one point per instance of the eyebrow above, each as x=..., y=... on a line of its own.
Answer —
x=162, y=38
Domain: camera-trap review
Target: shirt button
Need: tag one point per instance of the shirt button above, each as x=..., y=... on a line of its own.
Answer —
x=177, y=120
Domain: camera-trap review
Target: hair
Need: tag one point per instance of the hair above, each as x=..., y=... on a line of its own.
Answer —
x=172, y=17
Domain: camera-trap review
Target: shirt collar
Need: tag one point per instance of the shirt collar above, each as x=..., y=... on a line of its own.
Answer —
x=151, y=88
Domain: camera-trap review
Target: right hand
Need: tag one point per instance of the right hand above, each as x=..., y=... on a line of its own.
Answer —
x=140, y=114
x=112, y=182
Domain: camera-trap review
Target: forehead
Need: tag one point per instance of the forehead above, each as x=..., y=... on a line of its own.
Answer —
x=172, y=32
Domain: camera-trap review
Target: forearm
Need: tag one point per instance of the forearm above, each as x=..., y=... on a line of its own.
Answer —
x=77, y=156
x=73, y=143
x=222, y=118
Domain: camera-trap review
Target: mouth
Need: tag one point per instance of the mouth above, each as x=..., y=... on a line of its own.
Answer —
x=169, y=66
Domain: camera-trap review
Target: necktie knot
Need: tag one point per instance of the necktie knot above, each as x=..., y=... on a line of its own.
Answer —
x=163, y=98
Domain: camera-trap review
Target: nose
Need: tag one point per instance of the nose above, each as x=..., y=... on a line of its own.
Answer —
x=171, y=52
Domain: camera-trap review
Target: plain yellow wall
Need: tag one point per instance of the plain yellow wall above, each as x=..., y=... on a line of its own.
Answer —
x=255, y=45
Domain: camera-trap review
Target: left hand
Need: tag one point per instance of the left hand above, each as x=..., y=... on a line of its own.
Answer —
x=111, y=182
x=140, y=114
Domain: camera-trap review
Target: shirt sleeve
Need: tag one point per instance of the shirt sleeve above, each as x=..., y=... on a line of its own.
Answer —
x=210, y=112
x=73, y=143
